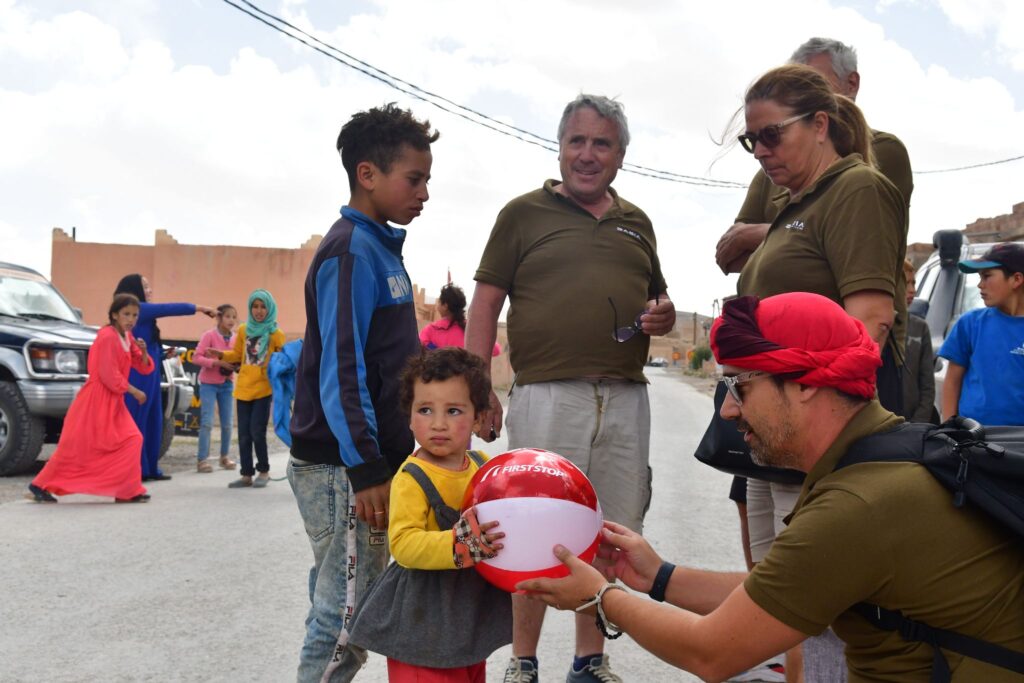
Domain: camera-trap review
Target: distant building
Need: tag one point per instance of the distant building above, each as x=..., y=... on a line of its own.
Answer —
x=87, y=272
x=1006, y=228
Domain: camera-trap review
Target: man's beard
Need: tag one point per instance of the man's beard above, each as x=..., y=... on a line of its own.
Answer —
x=768, y=450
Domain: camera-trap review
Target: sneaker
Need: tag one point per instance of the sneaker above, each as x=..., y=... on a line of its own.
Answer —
x=597, y=671
x=39, y=495
x=771, y=671
x=520, y=671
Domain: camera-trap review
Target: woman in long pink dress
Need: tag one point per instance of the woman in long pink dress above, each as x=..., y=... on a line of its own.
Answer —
x=100, y=445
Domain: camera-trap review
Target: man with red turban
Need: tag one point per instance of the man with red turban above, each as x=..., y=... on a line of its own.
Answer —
x=801, y=378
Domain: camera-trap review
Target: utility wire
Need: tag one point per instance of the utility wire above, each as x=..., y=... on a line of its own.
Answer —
x=425, y=95
x=964, y=168
x=481, y=119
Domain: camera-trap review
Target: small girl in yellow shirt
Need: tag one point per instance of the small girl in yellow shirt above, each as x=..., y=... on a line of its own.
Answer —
x=433, y=621
x=255, y=341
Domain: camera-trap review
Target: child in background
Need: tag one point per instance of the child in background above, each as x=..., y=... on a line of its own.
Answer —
x=216, y=384
x=985, y=348
x=450, y=330
x=433, y=620
x=100, y=444
x=255, y=341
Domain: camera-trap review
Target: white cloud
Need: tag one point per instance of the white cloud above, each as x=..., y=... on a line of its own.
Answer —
x=1001, y=21
x=117, y=136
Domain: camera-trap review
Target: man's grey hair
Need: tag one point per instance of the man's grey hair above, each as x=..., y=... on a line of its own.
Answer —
x=605, y=107
x=844, y=57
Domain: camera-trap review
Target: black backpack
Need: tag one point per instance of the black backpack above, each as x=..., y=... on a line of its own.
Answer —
x=982, y=467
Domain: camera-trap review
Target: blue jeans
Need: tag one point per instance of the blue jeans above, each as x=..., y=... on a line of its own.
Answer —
x=215, y=396
x=347, y=557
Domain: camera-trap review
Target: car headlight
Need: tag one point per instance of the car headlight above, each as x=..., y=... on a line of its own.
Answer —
x=68, y=362
x=57, y=361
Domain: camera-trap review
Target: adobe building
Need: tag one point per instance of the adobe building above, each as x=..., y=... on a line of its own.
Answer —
x=87, y=273
x=1008, y=227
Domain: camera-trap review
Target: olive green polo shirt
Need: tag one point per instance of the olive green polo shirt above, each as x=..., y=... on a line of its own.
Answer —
x=888, y=534
x=560, y=266
x=764, y=200
x=844, y=234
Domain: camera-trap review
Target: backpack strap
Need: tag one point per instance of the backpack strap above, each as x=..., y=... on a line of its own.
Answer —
x=445, y=515
x=477, y=457
x=916, y=631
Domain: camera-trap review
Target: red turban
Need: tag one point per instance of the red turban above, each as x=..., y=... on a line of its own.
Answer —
x=794, y=333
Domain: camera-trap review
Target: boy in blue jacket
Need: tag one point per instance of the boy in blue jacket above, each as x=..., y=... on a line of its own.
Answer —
x=349, y=434
x=985, y=348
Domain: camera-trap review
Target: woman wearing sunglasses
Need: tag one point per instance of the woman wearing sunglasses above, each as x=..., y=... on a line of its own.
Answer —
x=840, y=231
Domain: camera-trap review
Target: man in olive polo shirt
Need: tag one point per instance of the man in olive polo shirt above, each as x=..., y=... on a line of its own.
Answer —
x=801, y=374
x=580, y=267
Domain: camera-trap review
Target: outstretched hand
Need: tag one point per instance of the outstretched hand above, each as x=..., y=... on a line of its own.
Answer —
x=630, y=558
x=207, y=311
x=582, y=584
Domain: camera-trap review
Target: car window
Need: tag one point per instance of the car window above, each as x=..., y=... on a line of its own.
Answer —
x=926, y=280
x=971, y=298
x=31, y=296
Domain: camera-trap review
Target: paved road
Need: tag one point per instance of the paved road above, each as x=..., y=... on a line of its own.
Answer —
x=208, y=584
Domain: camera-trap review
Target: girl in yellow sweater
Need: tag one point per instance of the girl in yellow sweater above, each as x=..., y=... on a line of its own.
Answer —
x=255, y=341
x=434, y=620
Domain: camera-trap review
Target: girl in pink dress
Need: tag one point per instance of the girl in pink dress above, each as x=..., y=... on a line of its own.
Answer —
x=100, y=446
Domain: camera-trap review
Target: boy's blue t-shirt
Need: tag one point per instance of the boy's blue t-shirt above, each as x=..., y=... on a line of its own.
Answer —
x=990, y=345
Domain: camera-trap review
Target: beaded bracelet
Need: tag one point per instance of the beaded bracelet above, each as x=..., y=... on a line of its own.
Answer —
x=603, y=624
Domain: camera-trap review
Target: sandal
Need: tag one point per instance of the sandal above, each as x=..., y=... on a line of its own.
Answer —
x=227, y=463
x=261, y=481
x=204, y=467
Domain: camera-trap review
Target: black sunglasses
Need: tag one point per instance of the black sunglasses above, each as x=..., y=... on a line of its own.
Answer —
x=769, y=136
x=624, y=334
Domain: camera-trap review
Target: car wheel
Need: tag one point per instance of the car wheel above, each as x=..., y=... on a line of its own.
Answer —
x=21, y=433
x=167, y=435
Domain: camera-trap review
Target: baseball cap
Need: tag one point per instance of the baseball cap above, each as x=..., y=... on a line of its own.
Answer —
x=1009, y=255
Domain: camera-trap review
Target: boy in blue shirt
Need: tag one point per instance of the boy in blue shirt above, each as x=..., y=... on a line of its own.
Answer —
x=985, y=348
x=349, y=434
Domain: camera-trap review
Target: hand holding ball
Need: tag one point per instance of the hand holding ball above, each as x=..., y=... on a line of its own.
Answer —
x=540, y=499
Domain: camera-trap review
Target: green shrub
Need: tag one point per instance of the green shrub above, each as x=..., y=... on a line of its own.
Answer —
x=700, y=354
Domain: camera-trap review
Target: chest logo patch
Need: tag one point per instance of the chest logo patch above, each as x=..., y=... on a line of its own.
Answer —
x=399, y=286
x=632, y=233
x=795, y=225
x=1019, y=351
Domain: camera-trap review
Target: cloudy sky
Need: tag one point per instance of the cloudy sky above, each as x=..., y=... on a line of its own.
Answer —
x=188, y=115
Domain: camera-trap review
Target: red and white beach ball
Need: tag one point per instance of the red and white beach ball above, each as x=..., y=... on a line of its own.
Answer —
x=540, y=499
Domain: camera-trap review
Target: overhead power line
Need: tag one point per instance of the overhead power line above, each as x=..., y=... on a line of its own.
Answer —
x=473, y=116
x=481, y=119
x=964, y=168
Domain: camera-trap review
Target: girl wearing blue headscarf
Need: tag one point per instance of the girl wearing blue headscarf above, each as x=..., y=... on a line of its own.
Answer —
x=257, y=339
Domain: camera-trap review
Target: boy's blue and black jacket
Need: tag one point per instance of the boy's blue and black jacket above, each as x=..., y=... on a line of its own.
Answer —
x=360, y=331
